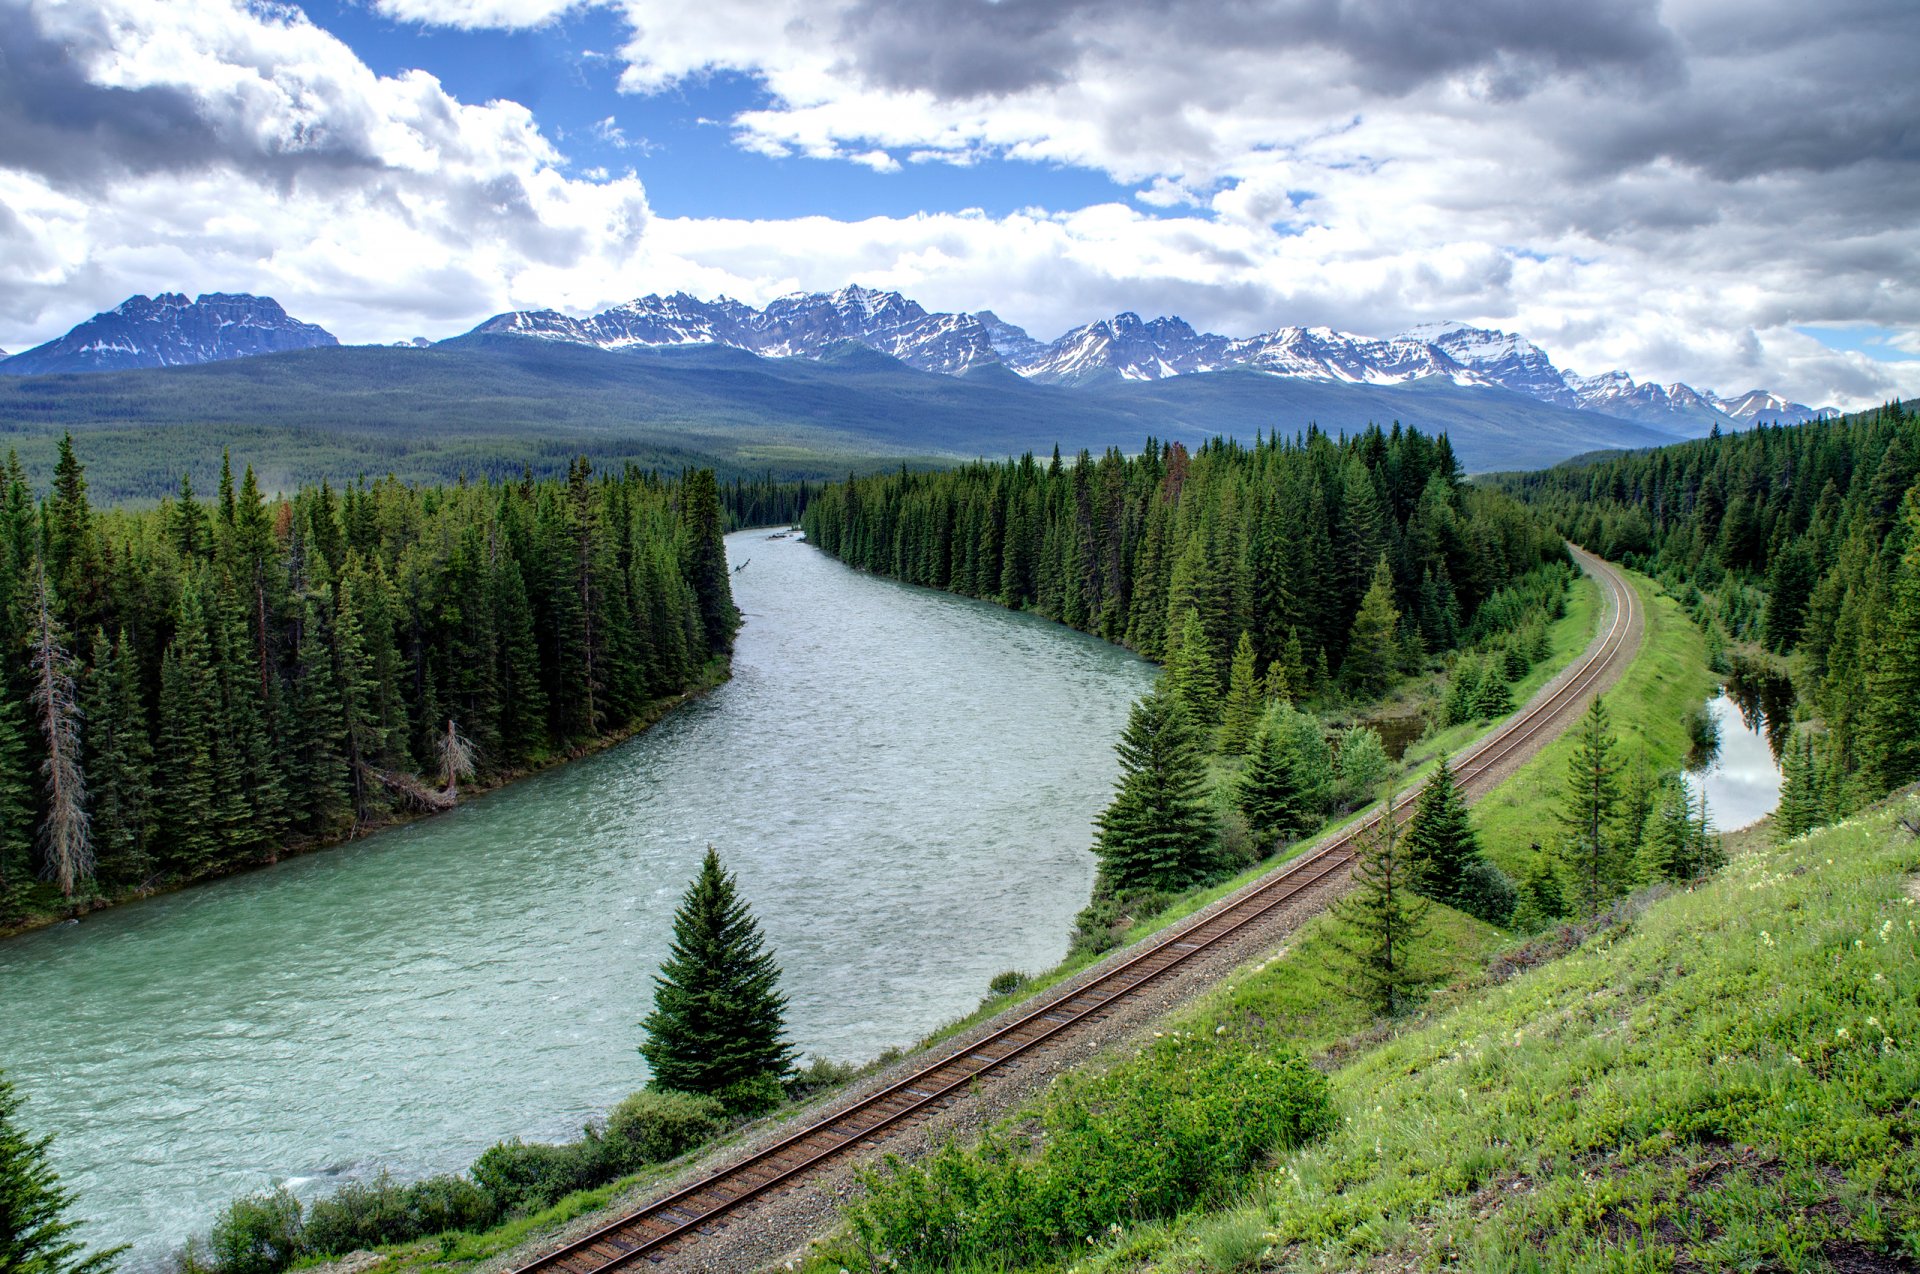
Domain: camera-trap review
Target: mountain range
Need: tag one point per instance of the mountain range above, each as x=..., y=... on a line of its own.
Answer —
x=169, y=331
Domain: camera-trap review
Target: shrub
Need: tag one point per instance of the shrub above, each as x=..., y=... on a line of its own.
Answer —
x=1007, y=983
x=528, y=1176
x=1361, y=763
x=818, y=1075
x=653, y=1127
x=753, y=1096
x=369, y=1213
x=1486, y=892
x=1211, y=1108
x=259, y=1234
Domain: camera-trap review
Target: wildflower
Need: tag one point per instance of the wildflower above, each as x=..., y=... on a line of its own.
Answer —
x=1841, y=1034
x=1220, y=1030
x=1795, y=1060
x=1873, y=1021
x=1885, y=930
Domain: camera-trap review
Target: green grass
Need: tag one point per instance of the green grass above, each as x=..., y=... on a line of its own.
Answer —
x=1722, y=1079
x=1649, y=708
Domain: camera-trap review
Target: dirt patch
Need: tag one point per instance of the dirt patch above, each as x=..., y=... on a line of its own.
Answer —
x=1856, y=1258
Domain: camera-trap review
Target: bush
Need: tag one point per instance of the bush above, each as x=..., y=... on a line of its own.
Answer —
x=1361, y=762
x=1007, y=983
x=753, y=1096
x=527, y=1176
x=652, y=1127
x=1486, y=892
x=364, y=1214
x=818, y=1075
x=259, y=1234
x=1211, y=1108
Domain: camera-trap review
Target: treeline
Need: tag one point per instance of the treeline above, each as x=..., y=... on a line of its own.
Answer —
x=200, y=685
x=1281, y=540
x=1803, y=541
x=766, y=500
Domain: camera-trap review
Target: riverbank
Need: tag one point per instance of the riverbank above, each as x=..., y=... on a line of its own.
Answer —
x=712, y=676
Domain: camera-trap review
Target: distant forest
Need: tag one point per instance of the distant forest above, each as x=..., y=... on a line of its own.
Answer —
x=1281, y=540
x=1800, y=545
x=203, y=684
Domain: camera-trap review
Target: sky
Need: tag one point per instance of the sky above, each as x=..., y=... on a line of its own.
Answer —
x=1721, y=192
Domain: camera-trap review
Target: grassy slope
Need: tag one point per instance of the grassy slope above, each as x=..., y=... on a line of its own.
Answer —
x=1723, y=1079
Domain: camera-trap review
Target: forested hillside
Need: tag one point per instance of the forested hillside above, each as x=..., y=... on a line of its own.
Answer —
x=204, y=684
x=1801, y=544
x=1283, y=540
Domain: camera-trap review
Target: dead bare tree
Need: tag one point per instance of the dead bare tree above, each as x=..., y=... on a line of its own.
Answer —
x=65, y=834
x=456, y=761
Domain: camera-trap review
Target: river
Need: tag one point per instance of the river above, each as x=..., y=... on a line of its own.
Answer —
x=903, y=781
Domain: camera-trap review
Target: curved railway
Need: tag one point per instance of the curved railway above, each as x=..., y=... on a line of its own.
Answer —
x=674, y=1222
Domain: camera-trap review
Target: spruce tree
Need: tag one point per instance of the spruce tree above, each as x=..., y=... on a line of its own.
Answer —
x=1190, y=671
x=1589, y=807
x=190, y=719
x=1273, y=789
x=1373, y=649
x=1242, y=710
x=1382, y=920
x=1802, y=806
x=1441, y=843
x=717, y=1018
x=16, y=807
x=704, y=559
x=1159, y=831
x=120, y=764
x=1540, y=899
x=36, y=1236
x=1891, y=729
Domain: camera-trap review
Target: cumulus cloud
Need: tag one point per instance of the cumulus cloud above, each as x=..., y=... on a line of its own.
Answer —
x=222, y=143
x=1681, y=188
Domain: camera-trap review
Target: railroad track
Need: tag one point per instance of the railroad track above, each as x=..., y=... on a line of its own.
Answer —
x=671, y=1223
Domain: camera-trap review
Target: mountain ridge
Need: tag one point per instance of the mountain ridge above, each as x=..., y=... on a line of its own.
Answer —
x=168, y=330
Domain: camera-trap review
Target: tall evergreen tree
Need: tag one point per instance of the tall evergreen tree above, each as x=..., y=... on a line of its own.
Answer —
x=1373, y=644
x=1589, y=807
x=16, y=807
x=1190, y=673
x=1802, y=798
x=1241, y=712
x=1382, y=920
x=1891, y=730
x=1276, y=790
x=718, y=1015
x=705, y=558
x=119, y=765
x=1159, y=831
x=37, y=1234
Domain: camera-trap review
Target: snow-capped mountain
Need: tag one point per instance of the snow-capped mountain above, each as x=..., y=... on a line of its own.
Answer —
x=1759, y=405
x=170, y=331
x=1125, y=346
x=804, y=325
x=1501, y=358
x=1320, y=353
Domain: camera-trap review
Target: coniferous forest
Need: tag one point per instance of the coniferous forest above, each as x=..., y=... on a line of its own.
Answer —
x=204, y=684
x=1799, y=546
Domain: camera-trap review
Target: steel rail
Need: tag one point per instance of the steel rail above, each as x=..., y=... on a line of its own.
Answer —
x=648, y=1229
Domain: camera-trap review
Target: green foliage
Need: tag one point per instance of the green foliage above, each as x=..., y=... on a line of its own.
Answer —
x=260, y=674
x=258, y=1234
x=1444, y=853
x=527, y=1176
x=1383, y=920
x=652, y=1127
x=717, y=1025
x=1211, y=1107
x=1241, y=712
x=367, y=1214
x=1158, y=833
x=36, y=1234
x=1360, y=762
x=1284, y=788
x=1257, y=539
x=1589, y=808
x=1802, y=539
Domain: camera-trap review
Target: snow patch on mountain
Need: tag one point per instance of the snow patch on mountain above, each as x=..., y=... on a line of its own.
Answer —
x=168, y=330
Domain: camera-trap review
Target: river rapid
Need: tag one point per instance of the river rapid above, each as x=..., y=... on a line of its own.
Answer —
x=903, y=781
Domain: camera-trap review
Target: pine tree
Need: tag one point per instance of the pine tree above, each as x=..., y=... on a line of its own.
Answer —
x=1159, y=831
x=704, y=559
x=1802, y=805
x=1298, y=679
x=1274, y=790
x=1242, y=710
x=190, y=719
x=1373, y=644
x=1589, y=806
x=1190, y=672
x=16, y=807
x=36, y=1236
x=717, y=1018
x=1382, y=920
x=1540, y=902
x=1274, y=687
x=1891, y=730
x=1441, y=844
x=120, y=764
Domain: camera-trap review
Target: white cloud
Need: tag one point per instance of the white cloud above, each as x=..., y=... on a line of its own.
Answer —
x=1673, y=189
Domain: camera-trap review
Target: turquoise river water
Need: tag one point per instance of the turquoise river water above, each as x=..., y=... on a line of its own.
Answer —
x=904, y=782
